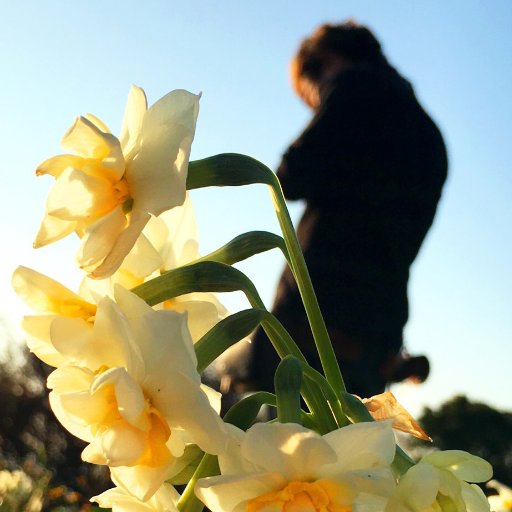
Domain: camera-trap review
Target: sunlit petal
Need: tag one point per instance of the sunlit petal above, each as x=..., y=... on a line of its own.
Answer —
x=136, y=107
x=53, y=229
x=363, y=445
x=123, y=243
x=120, y=500
x=43, y=294
x=37, y=329
x=76, y=195
x=287, y=448
x=231, y=493
x=99, y=239
x=462, y=464
x=55, y=165
x=166, y=136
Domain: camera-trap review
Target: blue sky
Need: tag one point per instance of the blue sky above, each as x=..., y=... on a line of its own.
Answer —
x=59, y=60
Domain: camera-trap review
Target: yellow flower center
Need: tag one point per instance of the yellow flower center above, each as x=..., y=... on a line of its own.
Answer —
x=151, y=428
x=319, y=496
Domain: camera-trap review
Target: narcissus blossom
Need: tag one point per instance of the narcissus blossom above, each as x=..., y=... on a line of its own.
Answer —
x=137, y=400
x=439, y=483
x=120, y=500
x=54, y=301
x=168, y=241
x=501, y=502
x=107, y=188
x=284, y=467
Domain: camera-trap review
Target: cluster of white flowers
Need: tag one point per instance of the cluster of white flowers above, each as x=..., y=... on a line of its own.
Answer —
x=126, y=378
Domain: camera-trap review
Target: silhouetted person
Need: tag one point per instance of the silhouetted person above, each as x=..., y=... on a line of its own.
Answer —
x=370, y=166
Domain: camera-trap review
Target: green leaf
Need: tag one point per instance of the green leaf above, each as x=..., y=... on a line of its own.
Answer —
x=205, y=276
x=227, y=332
x=287, y=383
x=228, y=170
x=244, y=412
x=246, y=245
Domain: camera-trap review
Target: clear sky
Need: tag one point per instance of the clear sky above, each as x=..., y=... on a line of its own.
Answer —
x=62, y=59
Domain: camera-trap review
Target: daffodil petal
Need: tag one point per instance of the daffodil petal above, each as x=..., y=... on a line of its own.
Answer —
x=96, y=121
x=122, y=245
x=73, y=338
x=143, y=259
x=112, y=330
x=129, y=396
x=99, y=239
x=157, y=174
x=44, y=294
x=165, y=343
x=231, y=461
x=119, y=445
x=57, y=164
x=141, y=481
x=165, y=499
x=86, y=139
x=37, y=329
x=366, y=502
x=174, y=234
x=462, y=464
x=204, y=311
x=231, y=493
x=418, y=488
x=53, y=229
x=288, y=448
x=76, y=195
x=136, y=107
x=363, y=445
x=186, y=406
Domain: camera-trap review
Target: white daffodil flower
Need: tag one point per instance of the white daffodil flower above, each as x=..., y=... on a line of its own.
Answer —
x=165, y=499
x=135, y=396
x=284, y=467
x=53, y=301
x=501, y=502
x=439, y=483
x=169, y=241
x=107, y=188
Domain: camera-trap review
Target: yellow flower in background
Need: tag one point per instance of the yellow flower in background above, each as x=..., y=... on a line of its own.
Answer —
x=137, y=400
x=53, y=301
x=107, y=188
x=168, y=241
x=439, y=483
x=501, y=502
x=165, y=499
x=284, y=467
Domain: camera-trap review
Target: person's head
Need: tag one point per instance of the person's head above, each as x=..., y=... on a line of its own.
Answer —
x=329, y=50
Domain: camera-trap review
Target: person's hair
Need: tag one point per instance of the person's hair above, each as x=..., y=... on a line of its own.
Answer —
x=353, y=42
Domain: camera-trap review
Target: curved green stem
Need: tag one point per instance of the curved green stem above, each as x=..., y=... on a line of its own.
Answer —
x=188, y=501
x=298, y=264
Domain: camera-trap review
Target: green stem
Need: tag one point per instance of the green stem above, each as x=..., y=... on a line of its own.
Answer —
x=313, y=396
x=287, y=383
x=336, y=409
x=316, y=321
x=188, y=501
